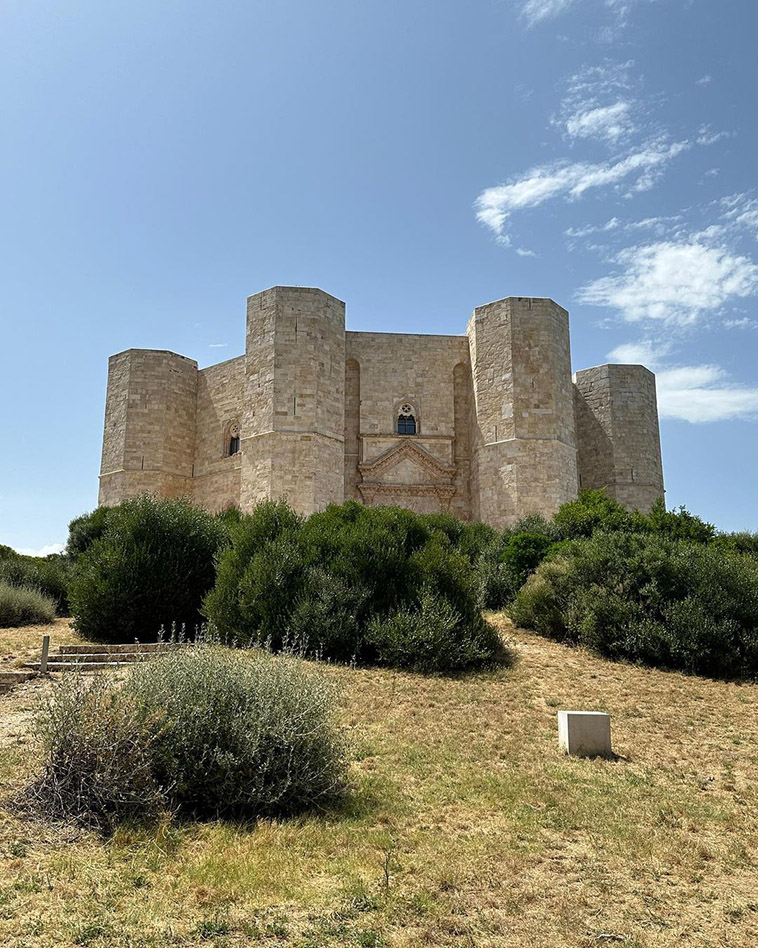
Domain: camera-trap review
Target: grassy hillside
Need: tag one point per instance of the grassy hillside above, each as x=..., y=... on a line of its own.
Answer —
x=467, y=826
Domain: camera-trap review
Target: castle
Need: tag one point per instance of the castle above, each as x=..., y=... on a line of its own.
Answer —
x=488, y=426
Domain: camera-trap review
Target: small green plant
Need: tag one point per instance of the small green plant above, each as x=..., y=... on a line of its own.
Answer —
x=21, y=605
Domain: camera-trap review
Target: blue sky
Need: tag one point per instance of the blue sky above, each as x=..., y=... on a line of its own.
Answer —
x=163, y=160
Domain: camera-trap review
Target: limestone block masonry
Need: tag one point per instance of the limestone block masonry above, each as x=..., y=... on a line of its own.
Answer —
x=487, y=426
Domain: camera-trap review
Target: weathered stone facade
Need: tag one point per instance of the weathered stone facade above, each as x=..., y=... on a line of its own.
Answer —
x=488, y=426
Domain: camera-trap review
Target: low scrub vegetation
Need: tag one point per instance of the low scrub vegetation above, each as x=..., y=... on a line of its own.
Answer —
x=650, y=598
x=22, y=605
x=50, y=575
x=203, y=732
x=150, y=566
x=353, y=583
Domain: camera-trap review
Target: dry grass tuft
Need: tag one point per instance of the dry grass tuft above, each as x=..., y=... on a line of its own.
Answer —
x=467, y=826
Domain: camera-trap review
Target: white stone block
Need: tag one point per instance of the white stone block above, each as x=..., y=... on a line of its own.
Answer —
x=585, y=733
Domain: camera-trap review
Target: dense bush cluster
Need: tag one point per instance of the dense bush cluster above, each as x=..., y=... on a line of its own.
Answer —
x=373, y=585
x=22, y=605
x=84, y=530
x=48, y=575
x=647, y=597
x=354, y=583
x=202, y=731
x=151, y=565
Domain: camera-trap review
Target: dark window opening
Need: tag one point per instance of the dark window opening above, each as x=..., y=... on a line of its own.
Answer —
x=406, y=425
x=234, y=444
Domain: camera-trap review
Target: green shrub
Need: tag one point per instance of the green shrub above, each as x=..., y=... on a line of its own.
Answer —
x=741, y=542
x=318, y=584
x=672, y=603
x=51, y=575
x=85, y=529
x=151, y=567
x=202, y=731
x=232, y=615
x=430, y=636
x=22, y=605
x=594, y=510
x=510, y=558
x=679, y=524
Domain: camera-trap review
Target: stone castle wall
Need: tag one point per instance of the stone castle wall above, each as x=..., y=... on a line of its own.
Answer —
x=217, y=473
x=619, y=444
x=525, y=446
x=393, y=370
x=501, y=430
x=149, y=425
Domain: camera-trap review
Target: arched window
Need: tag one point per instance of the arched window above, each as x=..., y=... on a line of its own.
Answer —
x=233, y=439
x=406, y=420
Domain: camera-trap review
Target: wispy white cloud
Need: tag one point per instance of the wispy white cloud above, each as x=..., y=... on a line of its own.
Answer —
x=43, y=550
x=704, y=80
x=706, y=135
x=741, y=210
x=702, y=393
x=608, y=123
x=534, y=11
x=571, y=180
x=658, y=225
x=645, y=352
x=693, y=393
x=598, y=104
x=674, y=282
x=218, y=345
x=523, y=252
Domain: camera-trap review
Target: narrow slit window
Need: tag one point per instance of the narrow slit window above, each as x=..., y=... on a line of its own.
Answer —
x=233, y=439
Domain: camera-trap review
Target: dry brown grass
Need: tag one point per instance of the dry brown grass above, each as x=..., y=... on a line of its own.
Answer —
x=23, y=644
x=467, y=827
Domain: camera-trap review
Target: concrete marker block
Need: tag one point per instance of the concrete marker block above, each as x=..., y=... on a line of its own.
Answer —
x=585, y=733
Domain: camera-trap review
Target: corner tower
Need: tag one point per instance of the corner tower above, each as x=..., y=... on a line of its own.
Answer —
x=524, y=452
x=149, y=435
x=618, y=439
x=293, y=424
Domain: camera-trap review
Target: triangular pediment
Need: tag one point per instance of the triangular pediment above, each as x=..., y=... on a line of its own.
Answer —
x=406, y=463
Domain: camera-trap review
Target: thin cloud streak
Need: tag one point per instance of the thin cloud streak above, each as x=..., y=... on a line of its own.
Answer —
x=534, y=11
x=572, y=181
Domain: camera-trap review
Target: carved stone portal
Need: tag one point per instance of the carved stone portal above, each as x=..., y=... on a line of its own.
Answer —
x=408, y=476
